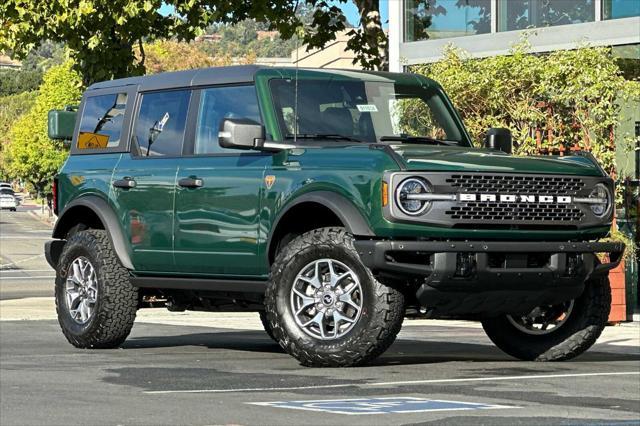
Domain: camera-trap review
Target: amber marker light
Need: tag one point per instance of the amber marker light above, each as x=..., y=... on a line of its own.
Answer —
x=385, y=194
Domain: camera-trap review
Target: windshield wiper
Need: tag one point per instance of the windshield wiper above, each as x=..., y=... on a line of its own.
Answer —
x=319, y=136
x=416, y=139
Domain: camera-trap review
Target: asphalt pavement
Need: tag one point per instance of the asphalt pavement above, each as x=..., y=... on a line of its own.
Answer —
x=24, y=272
x=200, y=368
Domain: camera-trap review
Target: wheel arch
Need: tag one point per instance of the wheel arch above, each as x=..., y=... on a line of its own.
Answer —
x=94, y=212
x=325, y=208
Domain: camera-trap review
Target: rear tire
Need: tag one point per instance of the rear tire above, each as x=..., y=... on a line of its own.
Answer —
x=265, y=323
x=110, y=301
x=587, y=318
x=357, y=317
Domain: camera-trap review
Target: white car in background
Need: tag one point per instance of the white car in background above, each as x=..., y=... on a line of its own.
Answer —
x=8, y=199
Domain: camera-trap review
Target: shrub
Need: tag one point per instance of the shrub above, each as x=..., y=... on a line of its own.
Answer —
x=554, y=103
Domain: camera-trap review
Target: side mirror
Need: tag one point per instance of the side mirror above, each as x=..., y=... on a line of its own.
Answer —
x=241, y=133
x=61, y=123
x=500, y=139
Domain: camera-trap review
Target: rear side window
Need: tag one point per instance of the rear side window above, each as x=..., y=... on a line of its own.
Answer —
x=101, y=122
x=159, y=127
x=218, y=103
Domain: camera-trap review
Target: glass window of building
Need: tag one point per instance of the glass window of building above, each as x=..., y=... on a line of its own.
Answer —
x=613, y=9
x=522, y=14
x=436, y=19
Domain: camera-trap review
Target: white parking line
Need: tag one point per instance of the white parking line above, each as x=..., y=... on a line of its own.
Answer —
x=40, y=277
x=7, y=266
x=407, y=382
x=15, y=271
x=35, y=237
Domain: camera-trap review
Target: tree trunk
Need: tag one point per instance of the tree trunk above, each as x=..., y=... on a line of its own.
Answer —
x=375, y=51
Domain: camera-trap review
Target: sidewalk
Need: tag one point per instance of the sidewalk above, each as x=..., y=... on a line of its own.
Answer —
x=38, y=212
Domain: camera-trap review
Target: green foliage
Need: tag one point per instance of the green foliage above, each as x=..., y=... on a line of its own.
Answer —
x=30, y=154
x=243, y=39
x=568, y=99
x=18, y=81
x=46, y=55
x=102, y=35
x=11, y=108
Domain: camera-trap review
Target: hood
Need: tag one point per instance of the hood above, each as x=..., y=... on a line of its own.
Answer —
x=464, y=159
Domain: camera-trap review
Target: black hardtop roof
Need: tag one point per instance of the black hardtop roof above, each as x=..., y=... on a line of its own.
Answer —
x=196, y=77
x=216, y=75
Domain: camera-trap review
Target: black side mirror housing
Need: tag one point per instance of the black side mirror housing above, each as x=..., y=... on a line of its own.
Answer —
x=241, y=133
x=500, y=139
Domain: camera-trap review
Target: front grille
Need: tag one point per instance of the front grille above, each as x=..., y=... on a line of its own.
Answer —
x=516, y=184
x=513, y=213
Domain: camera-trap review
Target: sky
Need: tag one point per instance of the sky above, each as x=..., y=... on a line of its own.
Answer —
x=349, y=9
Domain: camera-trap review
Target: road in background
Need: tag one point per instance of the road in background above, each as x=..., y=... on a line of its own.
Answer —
x=24, y=272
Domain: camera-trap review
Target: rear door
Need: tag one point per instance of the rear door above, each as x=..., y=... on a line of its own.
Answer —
x=144, y=181
x=218, y=192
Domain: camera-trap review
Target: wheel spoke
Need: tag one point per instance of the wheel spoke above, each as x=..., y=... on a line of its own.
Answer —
x=314, y=282
x=346, y=298
x=305, y=302
x=337, y=317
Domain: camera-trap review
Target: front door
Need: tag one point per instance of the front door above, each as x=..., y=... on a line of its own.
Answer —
x=144, y=181
x=218, y=194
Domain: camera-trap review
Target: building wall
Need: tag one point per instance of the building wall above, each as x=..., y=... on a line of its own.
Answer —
x=333, y=55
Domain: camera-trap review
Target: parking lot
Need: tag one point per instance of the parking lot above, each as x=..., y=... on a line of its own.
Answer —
x=201, y=368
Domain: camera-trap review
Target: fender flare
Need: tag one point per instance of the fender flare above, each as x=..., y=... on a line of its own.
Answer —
x=344, y=209
x=109, y=220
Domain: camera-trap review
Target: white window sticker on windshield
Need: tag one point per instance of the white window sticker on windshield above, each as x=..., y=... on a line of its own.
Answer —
x=367, y=108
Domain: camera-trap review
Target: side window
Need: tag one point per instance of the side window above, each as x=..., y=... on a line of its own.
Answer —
x=217, y=104
x=159, y=128
x=101, y=122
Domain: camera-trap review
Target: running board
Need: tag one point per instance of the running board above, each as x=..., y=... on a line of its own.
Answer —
x=181, y=283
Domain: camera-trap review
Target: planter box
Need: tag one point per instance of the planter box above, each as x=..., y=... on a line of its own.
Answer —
x=618, y=294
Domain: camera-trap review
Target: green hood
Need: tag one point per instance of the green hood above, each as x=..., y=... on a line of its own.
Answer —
x=445, y=158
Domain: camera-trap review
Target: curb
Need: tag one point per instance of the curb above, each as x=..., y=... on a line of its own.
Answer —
x=50, y=221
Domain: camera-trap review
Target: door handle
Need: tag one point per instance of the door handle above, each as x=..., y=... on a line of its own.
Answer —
x=124, y=183
x=190, y=182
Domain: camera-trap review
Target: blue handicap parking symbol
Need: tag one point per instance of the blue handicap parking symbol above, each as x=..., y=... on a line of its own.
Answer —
x=384, y=405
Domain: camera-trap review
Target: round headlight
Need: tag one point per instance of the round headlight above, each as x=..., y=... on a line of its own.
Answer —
x=408, y=188
x=601, y=200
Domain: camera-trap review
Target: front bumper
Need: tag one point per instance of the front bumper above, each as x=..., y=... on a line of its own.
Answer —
x=478, y=277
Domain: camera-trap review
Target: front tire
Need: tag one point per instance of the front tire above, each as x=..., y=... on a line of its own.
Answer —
x=571, y=335
x=325, y=307
x=95, y=301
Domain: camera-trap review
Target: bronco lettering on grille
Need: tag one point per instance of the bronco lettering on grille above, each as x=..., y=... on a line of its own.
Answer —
x=512, y=198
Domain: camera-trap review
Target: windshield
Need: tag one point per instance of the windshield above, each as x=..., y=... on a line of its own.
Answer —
x=366, y=111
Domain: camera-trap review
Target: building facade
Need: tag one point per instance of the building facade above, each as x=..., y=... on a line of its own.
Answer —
x=418, y=34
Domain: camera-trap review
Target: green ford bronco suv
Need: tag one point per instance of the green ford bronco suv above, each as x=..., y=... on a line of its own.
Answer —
x=334, y=203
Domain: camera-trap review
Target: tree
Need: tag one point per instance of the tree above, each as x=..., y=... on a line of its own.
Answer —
x=102, y=35
x=12, y=107
x=30, y=154
x=18, y=81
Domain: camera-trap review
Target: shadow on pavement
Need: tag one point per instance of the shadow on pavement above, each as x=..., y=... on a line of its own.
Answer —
x=402, y=352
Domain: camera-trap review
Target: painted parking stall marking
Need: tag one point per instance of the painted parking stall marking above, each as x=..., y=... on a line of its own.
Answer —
x=382, y=405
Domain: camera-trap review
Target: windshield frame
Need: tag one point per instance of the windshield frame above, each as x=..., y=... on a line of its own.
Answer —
x=273, y=121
